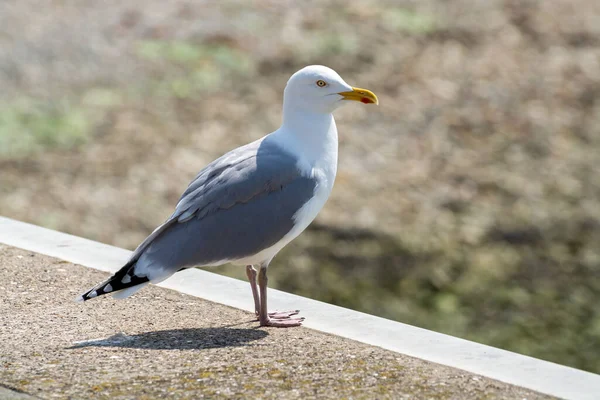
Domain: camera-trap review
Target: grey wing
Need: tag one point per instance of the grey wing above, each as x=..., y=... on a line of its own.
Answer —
x=211, y=171
x=217, y=171
x=240, y=204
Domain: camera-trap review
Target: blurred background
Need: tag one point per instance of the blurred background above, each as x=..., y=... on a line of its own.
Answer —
x=468, y=202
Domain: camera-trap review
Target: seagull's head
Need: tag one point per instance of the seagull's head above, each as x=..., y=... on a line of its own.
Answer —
x=319, y=89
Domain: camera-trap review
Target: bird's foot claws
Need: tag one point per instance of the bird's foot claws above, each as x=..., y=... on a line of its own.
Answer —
x=283, y=314
x=280, y=314
x=283, y=323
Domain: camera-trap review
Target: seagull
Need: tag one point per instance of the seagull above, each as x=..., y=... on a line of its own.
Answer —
x=245, y=206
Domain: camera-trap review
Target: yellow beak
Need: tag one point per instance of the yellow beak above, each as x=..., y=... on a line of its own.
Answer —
x=362, y=95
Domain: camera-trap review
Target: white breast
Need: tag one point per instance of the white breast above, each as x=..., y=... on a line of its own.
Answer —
x=316, y=158
x=303, y=217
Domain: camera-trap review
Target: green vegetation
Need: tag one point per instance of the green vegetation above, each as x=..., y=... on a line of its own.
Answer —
x=102, y=98
x=405, y=20
x=193, y=68
x=28, y=127
x=328, y=44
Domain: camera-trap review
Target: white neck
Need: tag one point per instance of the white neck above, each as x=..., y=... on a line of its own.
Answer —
x=310, y=136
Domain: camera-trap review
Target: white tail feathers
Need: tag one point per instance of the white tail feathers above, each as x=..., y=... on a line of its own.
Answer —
x=122, y=294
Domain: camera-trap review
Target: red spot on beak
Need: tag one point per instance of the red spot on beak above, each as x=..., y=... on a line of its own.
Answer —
x=365, y=100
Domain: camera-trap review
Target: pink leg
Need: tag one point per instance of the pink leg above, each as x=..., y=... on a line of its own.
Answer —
x=281, y=320
x=251, y=274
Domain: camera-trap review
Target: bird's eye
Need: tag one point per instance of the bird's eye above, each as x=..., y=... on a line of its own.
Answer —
x=321, y=83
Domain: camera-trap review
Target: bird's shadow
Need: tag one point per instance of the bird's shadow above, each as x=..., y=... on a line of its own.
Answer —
x=179, y=339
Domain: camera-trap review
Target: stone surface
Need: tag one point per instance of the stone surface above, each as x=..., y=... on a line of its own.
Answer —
x=161, y=343
x=9, y=394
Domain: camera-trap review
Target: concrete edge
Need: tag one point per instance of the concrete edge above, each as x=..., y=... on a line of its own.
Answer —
x=516, y=369
x=6, y=393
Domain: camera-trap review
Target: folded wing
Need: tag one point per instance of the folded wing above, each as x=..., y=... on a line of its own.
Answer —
x=238, y=205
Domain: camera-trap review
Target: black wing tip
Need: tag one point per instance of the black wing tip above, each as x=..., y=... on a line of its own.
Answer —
x=92, y=293
x=115, y=283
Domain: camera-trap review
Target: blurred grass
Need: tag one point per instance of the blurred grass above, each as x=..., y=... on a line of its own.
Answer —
x=28, y=126
x=405, y=20
x=191, y=68
x=480, y=216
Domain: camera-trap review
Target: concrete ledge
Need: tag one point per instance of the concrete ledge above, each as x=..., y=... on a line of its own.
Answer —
x=9, y=394
x=512, y=368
